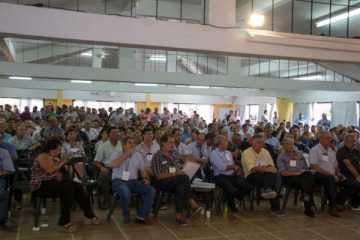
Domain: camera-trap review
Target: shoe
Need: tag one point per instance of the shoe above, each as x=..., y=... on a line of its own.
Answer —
x=68, y=228
x=356, y=208
x=181, y=222
x=76, y=179
x=309, y=212
x=334, y=213
x=92, y=221
x=198, y=210
x=18, y=205
x=145, y=221
x=279, y=213
x=339, y=208
x=163, y=206
x=7, y=223
x=268, y=193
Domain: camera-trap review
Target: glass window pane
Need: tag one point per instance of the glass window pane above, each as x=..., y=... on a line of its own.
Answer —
x=339, y=28
x=169, y=9
x=282, y=17
x=354, y=29
x=264, y=7
x=146, y=9
x=302, y=17
x=243, y=13
x=192, y=11
x=320, y=12
x=119, y=7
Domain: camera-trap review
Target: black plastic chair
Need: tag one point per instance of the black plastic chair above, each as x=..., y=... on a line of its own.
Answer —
x=116, y=196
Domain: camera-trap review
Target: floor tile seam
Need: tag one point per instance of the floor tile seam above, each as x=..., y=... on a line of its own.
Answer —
x=168, y=229
x=218, y=231
x=260, y=228
x=120, y=229
x=311, y=230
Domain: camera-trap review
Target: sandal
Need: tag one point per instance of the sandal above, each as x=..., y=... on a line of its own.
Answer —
x=92, y=221
x=68, y=228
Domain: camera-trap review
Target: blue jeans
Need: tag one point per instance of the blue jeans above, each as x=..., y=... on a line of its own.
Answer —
x=126, y=188
x=3, y=200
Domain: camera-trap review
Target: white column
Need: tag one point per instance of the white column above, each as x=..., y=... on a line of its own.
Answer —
x=221, y=13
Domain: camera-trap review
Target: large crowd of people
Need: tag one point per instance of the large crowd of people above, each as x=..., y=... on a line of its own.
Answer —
x=144, y=153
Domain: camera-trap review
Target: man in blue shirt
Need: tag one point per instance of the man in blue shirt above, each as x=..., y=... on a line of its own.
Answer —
x=324, y=121
x=6, y=168
x=126, y=164
x=226, y=173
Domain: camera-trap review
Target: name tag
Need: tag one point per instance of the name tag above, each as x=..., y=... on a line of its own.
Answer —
x=164, y=162
x=172, y=169
x=149, y=157
x=228, y=158
x=293, y=162
x=325, y=158
x=125, y=176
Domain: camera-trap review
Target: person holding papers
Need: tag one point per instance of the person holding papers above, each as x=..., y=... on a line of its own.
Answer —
x=126, y=164
x=296, y=174
x=226, y=171
x=166, y=166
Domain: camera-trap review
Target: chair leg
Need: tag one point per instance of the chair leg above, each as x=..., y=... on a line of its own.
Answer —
x=111, y=209
x=252, y=192
x=323, y=198
x=157, y=204
x=37, y=214
x=296, y=196
x=286, y=197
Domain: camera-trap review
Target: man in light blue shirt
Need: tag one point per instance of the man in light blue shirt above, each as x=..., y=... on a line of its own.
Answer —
x=271, y=140
x=126, y=164
x=226, y=173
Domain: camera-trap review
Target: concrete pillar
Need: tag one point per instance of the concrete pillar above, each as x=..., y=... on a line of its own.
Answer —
x=285, y=108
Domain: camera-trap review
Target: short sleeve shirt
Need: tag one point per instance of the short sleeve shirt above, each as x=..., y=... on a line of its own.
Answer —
x=324, y=158
x=161, y=163
x=132, y=164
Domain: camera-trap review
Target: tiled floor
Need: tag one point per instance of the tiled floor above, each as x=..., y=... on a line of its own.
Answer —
x=258, y=224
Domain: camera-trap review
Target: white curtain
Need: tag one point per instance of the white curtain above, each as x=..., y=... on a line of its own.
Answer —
x=344, y=113
x=106, y=105
x=242, y=112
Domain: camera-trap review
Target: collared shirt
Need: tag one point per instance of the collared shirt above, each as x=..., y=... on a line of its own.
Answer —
x=324, y=158
x=105, y=151
x=303, y=121
x=49, y=131
x=6, y=163
x=72, y=151
x=354, y=158
x=181, y=148
x=196, y=152
x=185, y=136
x=92, y=133
x=35, y=115
x=146, y=153
x=161, y=163
x=10, y=148
x=251, y=159
x=6, y=137
x=132, y=164
x=72, y=114
x=283, y=162
x=23, y=143
x=117, y=117
x=274, y=142
x=219, y=160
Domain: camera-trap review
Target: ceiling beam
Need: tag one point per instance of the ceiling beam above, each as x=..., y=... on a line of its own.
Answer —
x=8, y=49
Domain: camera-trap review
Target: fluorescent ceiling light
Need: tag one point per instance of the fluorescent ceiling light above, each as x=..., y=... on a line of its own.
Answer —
x=338, y=18
x=160, y=58
x=146, y=84
x=312, y=77
x=80, y=81
x=20, y=78
x=205, y=87
x=257, y=20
